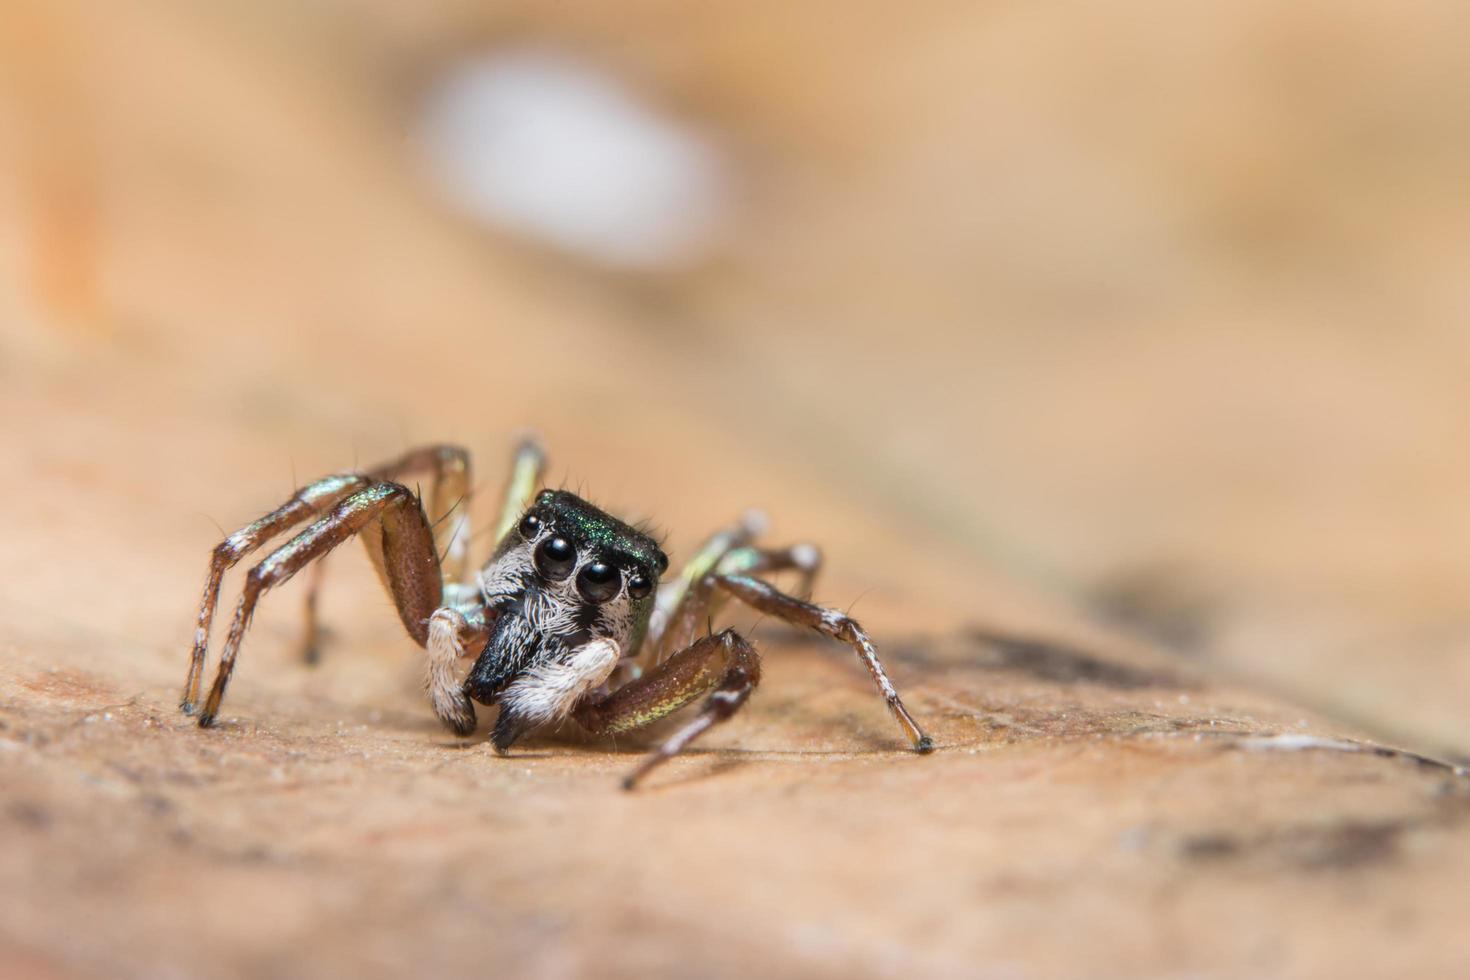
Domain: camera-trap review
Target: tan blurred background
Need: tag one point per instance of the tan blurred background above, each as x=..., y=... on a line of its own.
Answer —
x=1146, y=317
x=1098, y=297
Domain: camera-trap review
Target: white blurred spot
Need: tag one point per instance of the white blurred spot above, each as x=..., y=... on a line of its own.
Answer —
x=549, y=147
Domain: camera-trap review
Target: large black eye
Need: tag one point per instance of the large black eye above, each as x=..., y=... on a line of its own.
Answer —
x=555, y=558
x=639, y=585
x=530, y=526
x=598, y=582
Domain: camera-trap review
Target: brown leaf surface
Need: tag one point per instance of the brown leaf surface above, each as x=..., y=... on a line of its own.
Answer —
x=253, y=290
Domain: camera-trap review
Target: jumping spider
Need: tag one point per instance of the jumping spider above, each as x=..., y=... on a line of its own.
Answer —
x=566, y=619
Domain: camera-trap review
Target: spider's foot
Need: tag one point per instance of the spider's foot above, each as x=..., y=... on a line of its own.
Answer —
x=924, y=745
x=187, y=706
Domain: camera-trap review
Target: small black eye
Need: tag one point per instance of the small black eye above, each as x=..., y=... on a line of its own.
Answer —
x=530, y=525
x=598, y=582
x=555, y=558
x=639, y=585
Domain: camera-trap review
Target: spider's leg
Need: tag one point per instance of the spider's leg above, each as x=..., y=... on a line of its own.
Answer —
x=804, y=559
x=311, y=631
x=310, y=500
x=768, y=599
x=527, y=465
x=703, y=600
x=455, y=632
x=447, y=504
x=450, y=472
x=400, y=541
x=674, y=594
x=726, y=665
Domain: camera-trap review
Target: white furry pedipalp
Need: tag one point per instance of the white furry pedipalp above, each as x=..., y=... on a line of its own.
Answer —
x=548, y=692
x=445, y=649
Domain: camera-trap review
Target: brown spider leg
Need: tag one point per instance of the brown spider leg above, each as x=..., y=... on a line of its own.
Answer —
x=675, y=594
x=725, y=664
x=704, y=600
x=449, y=467
x=804, y=559
x=306, y=502
x=401, y=544
x=448, y=502
x=311, y=652
x=768, y=599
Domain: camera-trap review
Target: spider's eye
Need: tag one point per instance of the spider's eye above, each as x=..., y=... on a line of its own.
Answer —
x=555, y=558
x=598, y=582
x=639, y=585
x=530, y=524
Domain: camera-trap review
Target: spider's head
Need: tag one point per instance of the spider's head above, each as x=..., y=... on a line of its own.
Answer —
x=586, y=557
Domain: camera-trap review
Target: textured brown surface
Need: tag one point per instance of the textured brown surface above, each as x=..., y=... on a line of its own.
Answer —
x=1047, y=348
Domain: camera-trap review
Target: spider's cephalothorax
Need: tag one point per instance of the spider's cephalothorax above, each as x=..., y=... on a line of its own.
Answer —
x=568, y=574
x=565, y=620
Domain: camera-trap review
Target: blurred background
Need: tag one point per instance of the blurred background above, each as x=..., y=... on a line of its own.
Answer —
x=1156, y=309
x=1139, y=326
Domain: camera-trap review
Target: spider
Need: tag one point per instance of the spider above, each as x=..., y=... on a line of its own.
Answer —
x=567, y=618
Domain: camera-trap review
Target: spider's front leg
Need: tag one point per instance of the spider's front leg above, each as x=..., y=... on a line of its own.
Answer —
x=449, y=470
x=726, y=665
x=401, y=545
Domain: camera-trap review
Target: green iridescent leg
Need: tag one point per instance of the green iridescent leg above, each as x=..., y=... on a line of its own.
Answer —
x=673, y=595
x=704, y=599
x=726, y=665
x=526, y=468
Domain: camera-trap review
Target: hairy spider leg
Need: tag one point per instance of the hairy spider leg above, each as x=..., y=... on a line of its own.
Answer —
x=726, y=665
x=766, y=598
x=704, y=601
x=669, y=603
x=402, y=545
x=449, y=468
x=309, y=501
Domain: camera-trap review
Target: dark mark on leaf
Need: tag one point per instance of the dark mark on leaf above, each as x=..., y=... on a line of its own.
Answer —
x=1051, y=661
